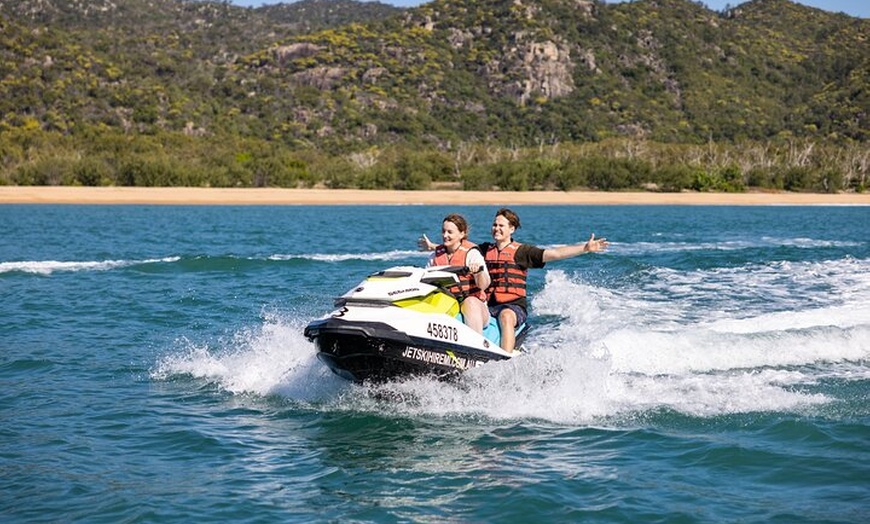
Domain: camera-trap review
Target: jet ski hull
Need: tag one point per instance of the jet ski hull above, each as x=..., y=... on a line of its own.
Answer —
x=375, y=351
x=403, y=321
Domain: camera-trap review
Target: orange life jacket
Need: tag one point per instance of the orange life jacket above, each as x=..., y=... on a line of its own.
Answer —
x=508, y=279
x=466, y=287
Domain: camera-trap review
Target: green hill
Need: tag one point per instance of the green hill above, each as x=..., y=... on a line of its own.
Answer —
x=296, y=83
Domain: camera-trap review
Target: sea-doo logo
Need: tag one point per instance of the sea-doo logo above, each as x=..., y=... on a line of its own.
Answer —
x=448, y=359
x=399, y=292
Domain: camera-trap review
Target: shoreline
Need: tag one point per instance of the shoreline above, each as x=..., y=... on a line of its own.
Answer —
x=277, y=196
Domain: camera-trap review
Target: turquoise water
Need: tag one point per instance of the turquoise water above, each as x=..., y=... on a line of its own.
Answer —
x=713, y=366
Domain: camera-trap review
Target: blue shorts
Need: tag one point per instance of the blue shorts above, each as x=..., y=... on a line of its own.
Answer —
x=518, y=311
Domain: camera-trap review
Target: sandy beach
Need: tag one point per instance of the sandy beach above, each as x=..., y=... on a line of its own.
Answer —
x=273, y=196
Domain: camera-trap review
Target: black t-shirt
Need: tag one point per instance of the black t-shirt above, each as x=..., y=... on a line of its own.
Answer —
x=527, y=257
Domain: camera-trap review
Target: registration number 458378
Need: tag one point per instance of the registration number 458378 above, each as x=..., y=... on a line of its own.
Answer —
x=437, y=330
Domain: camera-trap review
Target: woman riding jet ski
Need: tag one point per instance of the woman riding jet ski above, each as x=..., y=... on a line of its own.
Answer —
x=404, y=321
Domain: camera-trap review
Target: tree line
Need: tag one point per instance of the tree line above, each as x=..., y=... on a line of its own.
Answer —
x=100, y=157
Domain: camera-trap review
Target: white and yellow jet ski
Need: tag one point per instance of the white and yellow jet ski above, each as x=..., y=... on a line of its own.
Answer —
x=403, y=321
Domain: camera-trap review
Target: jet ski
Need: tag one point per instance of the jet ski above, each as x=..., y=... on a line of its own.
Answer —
x=402, y=321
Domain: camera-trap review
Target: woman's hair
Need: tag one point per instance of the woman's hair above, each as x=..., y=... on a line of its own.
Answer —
x=512, y=218
x=459, y=221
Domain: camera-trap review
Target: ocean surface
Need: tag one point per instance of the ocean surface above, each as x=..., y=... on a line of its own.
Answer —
x=712, y=366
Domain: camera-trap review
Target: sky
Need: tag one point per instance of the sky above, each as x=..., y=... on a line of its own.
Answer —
x=860, y=8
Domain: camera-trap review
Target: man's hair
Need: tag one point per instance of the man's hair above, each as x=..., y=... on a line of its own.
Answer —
x=512, y=218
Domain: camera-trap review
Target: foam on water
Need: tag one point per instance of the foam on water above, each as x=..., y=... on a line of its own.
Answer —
x=274, y=358
x=754, y=288
x=637, y=248
x=341, y=257
x=600, y=353
x=47, y=267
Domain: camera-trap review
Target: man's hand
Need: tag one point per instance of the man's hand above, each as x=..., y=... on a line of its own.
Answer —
x=594, y=245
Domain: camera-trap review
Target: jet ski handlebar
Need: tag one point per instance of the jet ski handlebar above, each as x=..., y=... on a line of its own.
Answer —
x=444, y=276
x=460, y=270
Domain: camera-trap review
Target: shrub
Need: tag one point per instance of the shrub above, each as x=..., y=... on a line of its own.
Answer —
x=764, y=178
x=571, y=175
x=610, y=174
x=728, y=179
x=415, y=171
x=797, y=178
x=510, y=176
x=91, y=171
x=673, y=178
x=51, y=171
x=337, y=174
x=829, y=181
x=477, y=178
x=145, y=171
x=378, y=177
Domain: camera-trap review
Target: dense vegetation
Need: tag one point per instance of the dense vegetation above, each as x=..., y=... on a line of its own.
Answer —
x=515, y=94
